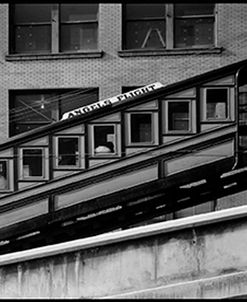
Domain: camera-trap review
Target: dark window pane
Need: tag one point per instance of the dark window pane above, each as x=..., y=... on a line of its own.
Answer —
x=78, y=12
x=141, y=128
x=104, y=139
x=139, y=11
x=68, y=151
x=33, y=108
x=145, y=34
x=27, y=13
x=32, y=162
x=79, y=37
x=3, y=176
x=191, y=9
x=194, y=32
x=30, y=39
x=178, y=116
x=216, y=103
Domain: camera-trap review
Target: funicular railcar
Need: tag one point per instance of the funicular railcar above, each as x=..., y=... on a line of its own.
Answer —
x=125, y=159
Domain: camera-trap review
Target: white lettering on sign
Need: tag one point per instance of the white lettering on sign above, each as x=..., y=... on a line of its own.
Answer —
x=107, y=102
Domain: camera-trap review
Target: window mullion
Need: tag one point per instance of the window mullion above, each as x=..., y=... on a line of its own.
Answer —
x=169, y=26
x=55, y=28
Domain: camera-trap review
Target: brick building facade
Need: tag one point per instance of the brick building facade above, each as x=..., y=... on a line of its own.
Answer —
x=109, y=67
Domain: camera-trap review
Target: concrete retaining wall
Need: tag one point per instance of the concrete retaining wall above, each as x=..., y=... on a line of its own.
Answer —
x=200, y=257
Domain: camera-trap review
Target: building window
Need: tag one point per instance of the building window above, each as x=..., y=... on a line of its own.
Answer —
x=78, y=27
x=32, y=163
x=217, y=103
x=67, y=151
x=194, y=25
x=140, y=128
x=179, y=116
x=145, y=26
x=4, y=175
x=32, y=109
x=104, y=140
x=32, y=28
x=154, y=26
x=37, y=28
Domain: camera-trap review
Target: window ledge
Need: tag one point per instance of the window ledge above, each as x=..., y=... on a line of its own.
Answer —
x=167, y=52
x=54, y=56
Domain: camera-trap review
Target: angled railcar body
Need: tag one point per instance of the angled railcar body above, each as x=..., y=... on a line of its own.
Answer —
x=132, y=149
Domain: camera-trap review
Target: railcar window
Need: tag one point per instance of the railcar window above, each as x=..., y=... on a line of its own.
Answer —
x=179, y=116
x=217, y=103
x=32, y=163
x=68, y=151
x=141, y=130
x=104, y=140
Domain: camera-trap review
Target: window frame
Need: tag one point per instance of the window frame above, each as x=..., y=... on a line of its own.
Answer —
x=57, y=96
x=56, y=159
x=192, y=127
x=55, y=32
x=128, y=129
x=204, y=105
x=92, y=146
x=45, y=163
x=169, y=30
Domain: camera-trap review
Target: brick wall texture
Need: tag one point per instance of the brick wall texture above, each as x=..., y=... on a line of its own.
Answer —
x=111, y=72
